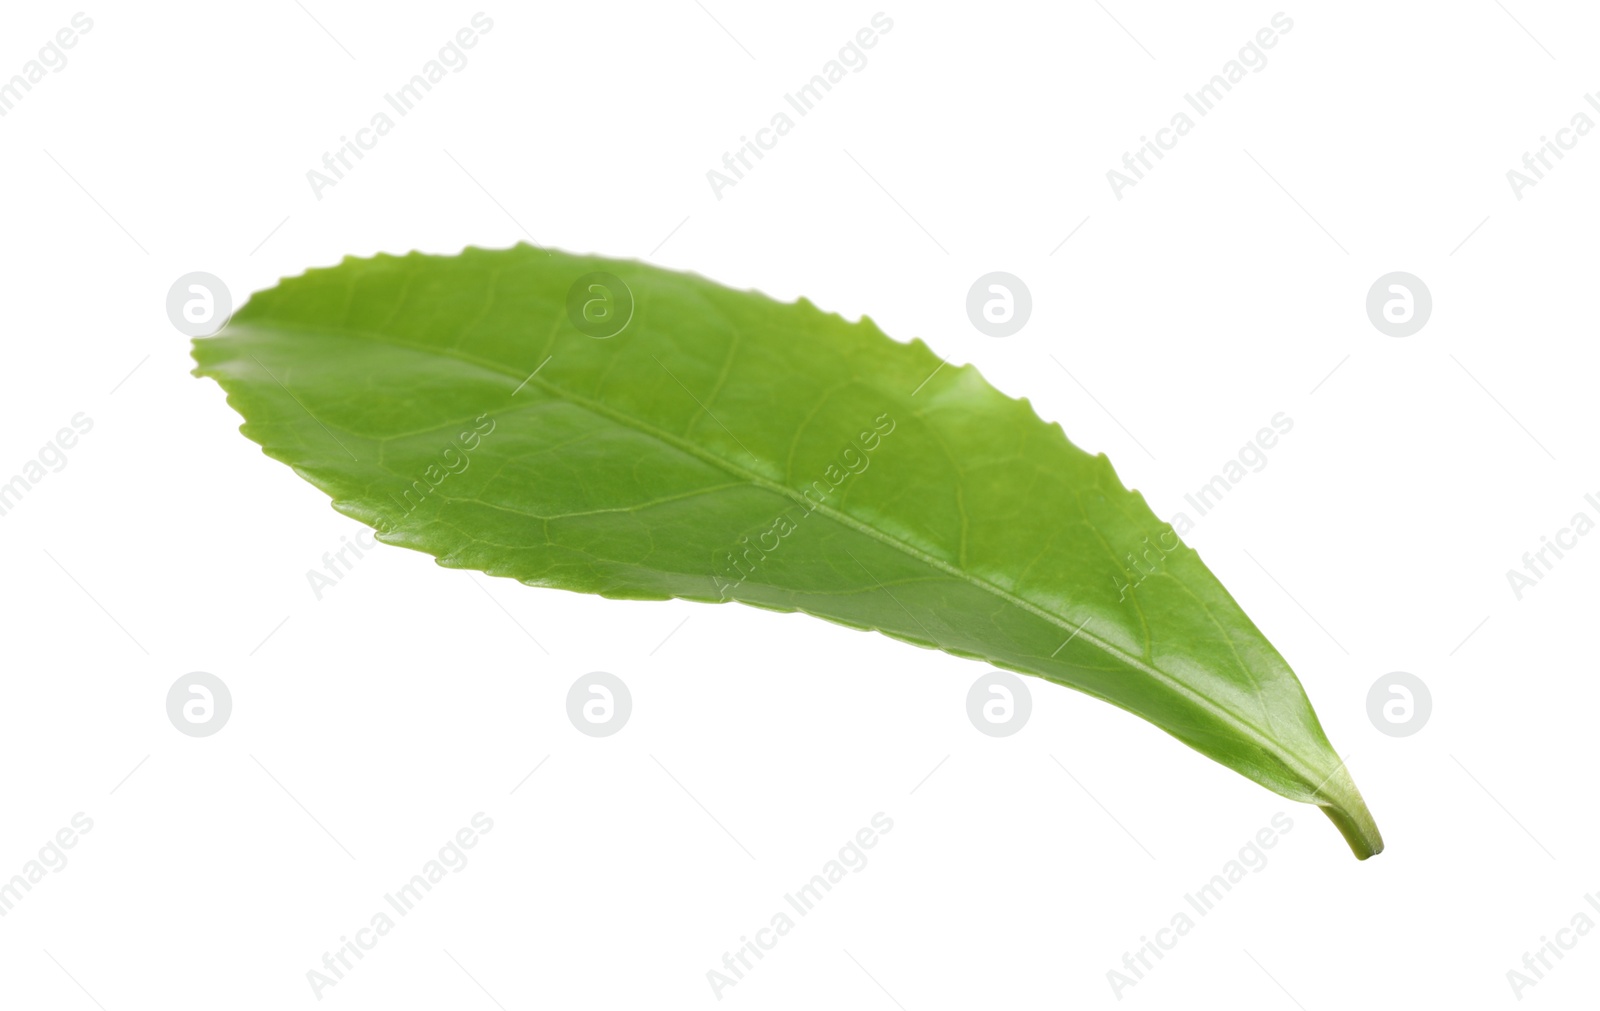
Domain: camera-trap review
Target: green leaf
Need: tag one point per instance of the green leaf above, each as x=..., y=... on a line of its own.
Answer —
x=724, y=446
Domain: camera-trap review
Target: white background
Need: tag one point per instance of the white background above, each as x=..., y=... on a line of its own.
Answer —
x=1227, y=286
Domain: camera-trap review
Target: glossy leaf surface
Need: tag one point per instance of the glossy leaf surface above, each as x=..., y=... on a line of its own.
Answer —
x=614, y=428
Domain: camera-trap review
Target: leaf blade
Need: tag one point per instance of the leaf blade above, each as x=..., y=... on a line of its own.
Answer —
x=727, y=446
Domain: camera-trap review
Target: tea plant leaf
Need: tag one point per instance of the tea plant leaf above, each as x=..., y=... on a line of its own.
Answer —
x=614, y=428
